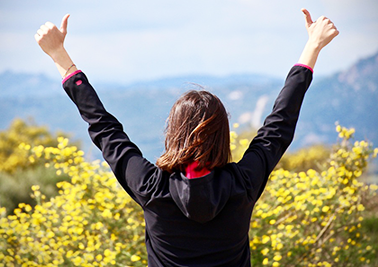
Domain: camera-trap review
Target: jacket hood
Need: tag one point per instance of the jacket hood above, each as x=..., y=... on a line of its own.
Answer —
x=200, y=199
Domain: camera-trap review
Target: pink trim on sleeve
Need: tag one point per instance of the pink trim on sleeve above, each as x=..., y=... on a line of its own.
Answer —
x=70, y=75
x=304, y=66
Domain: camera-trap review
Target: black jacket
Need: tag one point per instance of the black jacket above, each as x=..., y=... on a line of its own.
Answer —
x=203, y=221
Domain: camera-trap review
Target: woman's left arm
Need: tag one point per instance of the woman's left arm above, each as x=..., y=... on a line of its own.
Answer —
x=125, y=159
x=132, y=171
x=51, y=40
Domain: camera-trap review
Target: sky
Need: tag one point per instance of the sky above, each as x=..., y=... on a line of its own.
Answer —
x=125, y=41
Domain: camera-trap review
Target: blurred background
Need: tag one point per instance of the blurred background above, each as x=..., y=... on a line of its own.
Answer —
x=124, y=41
x=148, y=51
x=59, y=206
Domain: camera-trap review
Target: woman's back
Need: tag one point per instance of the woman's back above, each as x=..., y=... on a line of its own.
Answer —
x=199, y=222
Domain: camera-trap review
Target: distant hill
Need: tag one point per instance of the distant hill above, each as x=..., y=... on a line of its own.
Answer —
x=19, y=85
x=349, y=97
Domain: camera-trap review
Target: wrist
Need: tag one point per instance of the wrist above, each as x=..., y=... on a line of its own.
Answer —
x=310, y=54
x=59, y=55
x=63, y=62
x=313, y=45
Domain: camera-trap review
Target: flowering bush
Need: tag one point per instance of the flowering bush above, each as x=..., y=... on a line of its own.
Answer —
x=314, y=218
x=92, y=222
x=303, y=219
x=313, y=157
x=18, y=172
x=11, y=156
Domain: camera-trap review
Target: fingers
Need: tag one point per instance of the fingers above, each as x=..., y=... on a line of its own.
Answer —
x=63, y=25
x=321, y=20
x=42, y=31
x=308, y=19
x=37, y=37
x=50, y=38
x=328, y=23
x=45, y=28
x=335, y=30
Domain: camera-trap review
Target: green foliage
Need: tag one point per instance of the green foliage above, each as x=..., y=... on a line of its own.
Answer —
x=240, y=142
x=315, y=218
x=16, y=188
x=92, y=222
x=303, y=219
x=18, y=172
x=11, y=156
x=314, y=157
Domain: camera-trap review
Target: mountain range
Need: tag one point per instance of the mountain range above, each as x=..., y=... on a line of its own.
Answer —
x=349, y=97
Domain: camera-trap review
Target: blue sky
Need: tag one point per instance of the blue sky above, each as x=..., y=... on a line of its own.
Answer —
x=124, y=41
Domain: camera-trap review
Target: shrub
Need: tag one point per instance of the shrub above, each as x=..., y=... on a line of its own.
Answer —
x=313, y=157
x=303, y=219
x=92, y=222
x=18, y=172
x=314, y=218
x=12, y=157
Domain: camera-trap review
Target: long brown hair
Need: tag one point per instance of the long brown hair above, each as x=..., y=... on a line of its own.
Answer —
x=197, y=130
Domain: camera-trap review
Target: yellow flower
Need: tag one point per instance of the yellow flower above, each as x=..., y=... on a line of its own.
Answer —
x=325, y=209
x=68, y=225
x=135, y=258
x=278, y=257
x=265, y=239
x=265, y=251
x=279, y=246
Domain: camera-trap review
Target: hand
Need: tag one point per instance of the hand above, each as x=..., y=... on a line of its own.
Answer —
x=50, y=38
x=320, y=32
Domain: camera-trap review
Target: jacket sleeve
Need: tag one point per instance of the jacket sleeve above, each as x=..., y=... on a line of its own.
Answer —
x=277, y=132
x=125, y=159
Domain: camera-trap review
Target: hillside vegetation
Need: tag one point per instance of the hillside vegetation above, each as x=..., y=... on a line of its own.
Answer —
x=321, y=217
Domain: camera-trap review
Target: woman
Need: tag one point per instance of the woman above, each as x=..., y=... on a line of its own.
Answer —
x=197, y=205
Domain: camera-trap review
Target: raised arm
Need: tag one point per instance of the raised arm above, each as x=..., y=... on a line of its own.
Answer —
x=51, y=40
x=274, y=137
x=320, y=33
x=124, y=157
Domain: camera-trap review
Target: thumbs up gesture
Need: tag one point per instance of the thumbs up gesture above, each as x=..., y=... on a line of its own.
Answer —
x=321, y=31
x=50, y=38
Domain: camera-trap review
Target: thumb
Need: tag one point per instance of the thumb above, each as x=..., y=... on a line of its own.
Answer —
x=63, y=25
x=307, y=17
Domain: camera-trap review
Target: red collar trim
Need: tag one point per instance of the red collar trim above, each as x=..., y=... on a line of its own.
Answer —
x=191, y=171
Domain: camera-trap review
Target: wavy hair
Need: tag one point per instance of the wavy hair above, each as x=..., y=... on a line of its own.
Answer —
x=197, y=130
